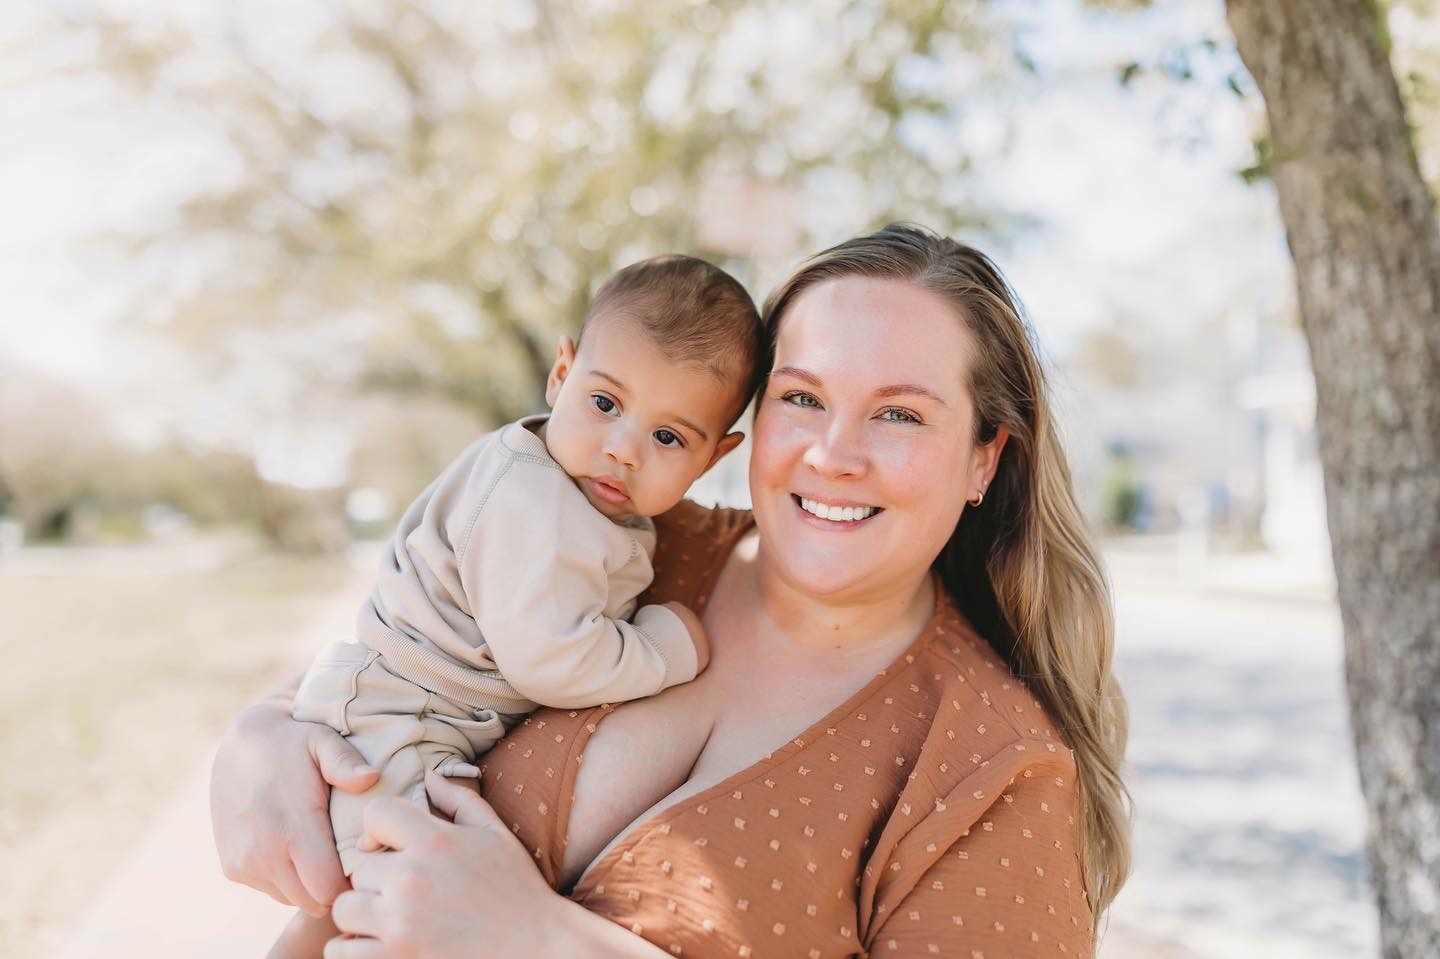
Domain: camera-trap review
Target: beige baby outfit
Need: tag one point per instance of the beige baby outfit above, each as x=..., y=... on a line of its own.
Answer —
x=502, y=589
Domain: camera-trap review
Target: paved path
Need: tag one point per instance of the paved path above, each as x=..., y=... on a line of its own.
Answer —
x=169, y=898
x=1250, y=826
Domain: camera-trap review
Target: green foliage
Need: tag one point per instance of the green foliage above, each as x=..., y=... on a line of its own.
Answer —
x=1180, y=62
x=1379, y=27
x=1361, y=196
x=1419, y=89
x=1267, y=157
x=1120, y=492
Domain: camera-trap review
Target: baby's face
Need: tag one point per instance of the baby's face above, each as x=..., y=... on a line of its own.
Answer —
x=631, y=427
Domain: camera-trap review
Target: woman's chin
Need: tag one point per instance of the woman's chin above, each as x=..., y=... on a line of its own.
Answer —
x=827, y=571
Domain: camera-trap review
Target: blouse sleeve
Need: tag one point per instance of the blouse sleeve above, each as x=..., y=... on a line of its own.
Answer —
x=1011, y=885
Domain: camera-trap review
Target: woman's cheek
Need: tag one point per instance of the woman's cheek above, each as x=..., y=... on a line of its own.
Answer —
x=902, y=456
x=778, y=438
x=910, y=465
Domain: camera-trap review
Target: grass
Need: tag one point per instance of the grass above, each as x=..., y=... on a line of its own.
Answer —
x=122, y=668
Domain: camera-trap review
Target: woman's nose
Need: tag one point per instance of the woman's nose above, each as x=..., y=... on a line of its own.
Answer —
x=836, y=451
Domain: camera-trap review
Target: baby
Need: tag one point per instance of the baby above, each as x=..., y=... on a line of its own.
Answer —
x=512, y=579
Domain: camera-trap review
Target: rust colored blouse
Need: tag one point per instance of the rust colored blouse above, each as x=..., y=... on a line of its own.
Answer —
x=934, y=813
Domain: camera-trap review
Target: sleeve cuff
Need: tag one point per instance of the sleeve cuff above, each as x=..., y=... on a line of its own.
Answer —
x=667, y=633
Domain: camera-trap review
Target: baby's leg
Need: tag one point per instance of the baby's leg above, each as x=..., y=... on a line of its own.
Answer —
x=399, y=727
x=304, y=937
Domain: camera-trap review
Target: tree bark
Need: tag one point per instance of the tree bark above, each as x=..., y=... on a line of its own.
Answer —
x=1362, y=229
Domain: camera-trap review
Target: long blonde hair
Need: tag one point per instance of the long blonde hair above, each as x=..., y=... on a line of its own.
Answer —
x=1022, y=566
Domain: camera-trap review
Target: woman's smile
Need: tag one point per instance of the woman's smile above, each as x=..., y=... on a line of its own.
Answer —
x=836, y=514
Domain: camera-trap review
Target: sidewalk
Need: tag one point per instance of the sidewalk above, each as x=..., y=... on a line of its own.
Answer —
x=1250, y=825
x=169, y=898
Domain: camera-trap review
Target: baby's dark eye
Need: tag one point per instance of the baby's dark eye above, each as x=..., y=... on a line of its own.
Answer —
x=603, y=403
x=798, y=398
x=895, y=414
x=669, y=439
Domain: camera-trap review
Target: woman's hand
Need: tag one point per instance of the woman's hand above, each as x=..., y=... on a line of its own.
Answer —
x=447, y=888
x=269, y=804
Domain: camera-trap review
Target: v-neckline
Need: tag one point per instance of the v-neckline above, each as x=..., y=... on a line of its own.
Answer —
x=643, y=826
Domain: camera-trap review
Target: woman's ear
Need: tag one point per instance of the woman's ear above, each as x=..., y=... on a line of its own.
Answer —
x=988, y=459
x=564, y=362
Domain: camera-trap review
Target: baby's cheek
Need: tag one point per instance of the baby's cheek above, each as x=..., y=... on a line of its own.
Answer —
x=668, y=485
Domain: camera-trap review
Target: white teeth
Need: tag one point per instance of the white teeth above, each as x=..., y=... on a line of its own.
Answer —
x=838, y=514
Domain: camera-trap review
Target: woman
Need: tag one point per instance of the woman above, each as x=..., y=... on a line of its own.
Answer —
x=858, y=770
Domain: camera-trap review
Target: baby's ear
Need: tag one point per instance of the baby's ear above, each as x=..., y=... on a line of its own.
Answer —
x=727, y=443
x=564, y=362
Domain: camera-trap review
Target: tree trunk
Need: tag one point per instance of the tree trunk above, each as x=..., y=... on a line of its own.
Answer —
x=1363, y=233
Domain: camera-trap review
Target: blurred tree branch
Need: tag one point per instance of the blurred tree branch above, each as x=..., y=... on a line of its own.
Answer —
x=434, y=190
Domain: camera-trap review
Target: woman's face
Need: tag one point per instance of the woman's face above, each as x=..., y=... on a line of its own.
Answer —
x=863, y=455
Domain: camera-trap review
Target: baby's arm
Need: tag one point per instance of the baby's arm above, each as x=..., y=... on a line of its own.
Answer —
x=698, y=636
x=536, y=569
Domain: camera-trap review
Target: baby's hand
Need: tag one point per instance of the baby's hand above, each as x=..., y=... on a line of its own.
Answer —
x=697, y=634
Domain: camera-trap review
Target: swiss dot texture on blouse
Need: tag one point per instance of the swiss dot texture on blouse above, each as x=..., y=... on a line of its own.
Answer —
x=934, y=813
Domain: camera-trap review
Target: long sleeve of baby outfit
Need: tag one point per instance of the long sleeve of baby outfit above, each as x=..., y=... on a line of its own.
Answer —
x=502, y=572
x=550, y=580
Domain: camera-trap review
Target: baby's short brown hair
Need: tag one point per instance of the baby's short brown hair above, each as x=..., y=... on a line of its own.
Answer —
x=694, y=312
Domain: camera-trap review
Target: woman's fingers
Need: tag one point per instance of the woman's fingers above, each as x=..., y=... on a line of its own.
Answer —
x=357, y=912
x=375, y=873
x=398, y=824
x=268, y=804
x=317, y=864
x=339, y=763
x=267, y=867
x=293, y=891
x=460, y=804
x=343, y=948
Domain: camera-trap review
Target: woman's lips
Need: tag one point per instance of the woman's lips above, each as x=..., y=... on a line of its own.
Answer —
x=608, y=490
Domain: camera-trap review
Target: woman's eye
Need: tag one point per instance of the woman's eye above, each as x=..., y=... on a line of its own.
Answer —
x=669, y=438
x=604, y=403
x=798, y=398
x=895, y=414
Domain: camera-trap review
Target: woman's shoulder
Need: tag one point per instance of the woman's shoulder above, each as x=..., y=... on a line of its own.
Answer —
x=692, y=544
x=982, y=689
x=689, y=522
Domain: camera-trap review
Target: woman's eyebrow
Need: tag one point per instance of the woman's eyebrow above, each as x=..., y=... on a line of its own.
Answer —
x=911, y=389
x=796, y=372
x=897, y=389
